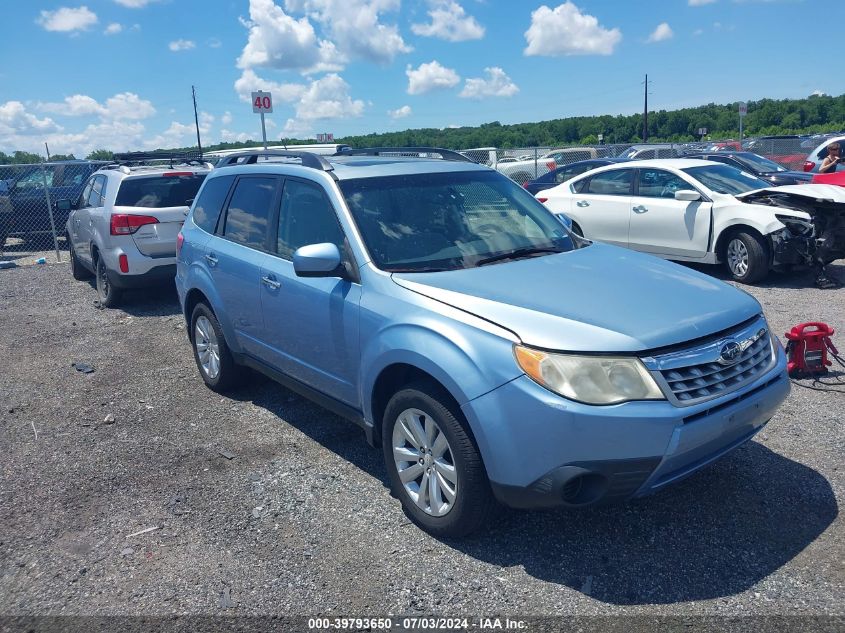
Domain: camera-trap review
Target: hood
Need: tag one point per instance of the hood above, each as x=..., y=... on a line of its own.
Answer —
x=807, y=193
x=595, y=299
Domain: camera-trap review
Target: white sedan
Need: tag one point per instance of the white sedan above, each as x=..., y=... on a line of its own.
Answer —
x=701, y=211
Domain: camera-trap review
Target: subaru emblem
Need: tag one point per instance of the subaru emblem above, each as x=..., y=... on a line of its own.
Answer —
x=730, y=353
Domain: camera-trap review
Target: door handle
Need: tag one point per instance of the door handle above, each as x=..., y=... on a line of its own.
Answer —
x=271, y=283
x=640, y=209
x=211, y=258
x=582, y=203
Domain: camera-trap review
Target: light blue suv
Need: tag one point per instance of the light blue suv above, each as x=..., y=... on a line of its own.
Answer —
x=492, y=354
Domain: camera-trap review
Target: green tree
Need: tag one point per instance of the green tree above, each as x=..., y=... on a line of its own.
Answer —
x=101, y=154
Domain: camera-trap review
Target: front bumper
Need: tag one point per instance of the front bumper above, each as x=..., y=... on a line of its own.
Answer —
x=541, y=450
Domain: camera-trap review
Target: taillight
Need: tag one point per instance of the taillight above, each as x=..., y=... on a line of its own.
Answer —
x=542, y=199
x=176, y=174
x=525, y=184
x=551, y=165
x=179, y=239
x=123, y=262
x=125, y=224
x=808, y=165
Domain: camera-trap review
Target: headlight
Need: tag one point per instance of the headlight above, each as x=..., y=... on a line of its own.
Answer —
x=796, y=226
x=589, y=379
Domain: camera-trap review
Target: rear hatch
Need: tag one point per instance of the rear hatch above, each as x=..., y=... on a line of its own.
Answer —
x=164, y=196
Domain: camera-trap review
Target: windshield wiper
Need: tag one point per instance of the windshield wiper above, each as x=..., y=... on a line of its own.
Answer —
x=517, y=254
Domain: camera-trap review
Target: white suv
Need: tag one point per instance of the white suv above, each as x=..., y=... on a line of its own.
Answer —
x=124, y=226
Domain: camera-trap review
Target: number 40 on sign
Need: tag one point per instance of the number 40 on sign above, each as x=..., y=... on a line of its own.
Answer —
x=262, y=102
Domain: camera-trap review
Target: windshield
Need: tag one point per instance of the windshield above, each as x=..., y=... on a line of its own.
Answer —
x=449, y=221
x=759, y=164
x=158, y=192
x=726, y=179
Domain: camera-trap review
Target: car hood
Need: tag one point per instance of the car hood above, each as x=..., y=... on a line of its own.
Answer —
x=806, y=193
x=595, y=299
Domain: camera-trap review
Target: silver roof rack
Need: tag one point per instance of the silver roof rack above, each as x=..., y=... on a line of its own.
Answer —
x=250, y=157
x=445, y=154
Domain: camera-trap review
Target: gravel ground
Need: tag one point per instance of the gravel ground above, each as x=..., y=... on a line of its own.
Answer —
x=266, y=504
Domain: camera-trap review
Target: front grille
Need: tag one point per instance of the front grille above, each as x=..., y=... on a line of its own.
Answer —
x=698, y=382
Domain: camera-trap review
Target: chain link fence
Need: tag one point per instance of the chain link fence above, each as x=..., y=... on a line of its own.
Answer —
x=34, y=207
x=528, y=163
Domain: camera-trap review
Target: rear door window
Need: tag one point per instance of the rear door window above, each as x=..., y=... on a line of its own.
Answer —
x=212, y=197
x=98, y=192
x=250, y=210
x=159, y=192
x=611, y=183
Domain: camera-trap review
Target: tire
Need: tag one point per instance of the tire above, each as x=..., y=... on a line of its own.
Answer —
x=458, y=471
x=218, y=369
x=746, y=257
x=108, y=295
x=79, y=272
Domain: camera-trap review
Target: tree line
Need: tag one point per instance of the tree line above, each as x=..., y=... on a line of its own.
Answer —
x=817, y=113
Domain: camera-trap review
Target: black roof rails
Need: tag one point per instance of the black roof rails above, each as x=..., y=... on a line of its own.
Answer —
x=309, y=159
x=446, y=154
x=138, y=158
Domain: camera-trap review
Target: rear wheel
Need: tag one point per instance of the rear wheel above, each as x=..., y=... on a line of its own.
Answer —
x=746, y=257
x=108, y=295
x=433, y=464
x=211, y=353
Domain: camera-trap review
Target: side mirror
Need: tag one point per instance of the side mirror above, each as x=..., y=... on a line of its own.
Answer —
x=687, y=195
x=64, y=205
x=318, y=260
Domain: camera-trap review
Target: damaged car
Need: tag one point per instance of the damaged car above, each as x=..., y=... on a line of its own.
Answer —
x=699, y=211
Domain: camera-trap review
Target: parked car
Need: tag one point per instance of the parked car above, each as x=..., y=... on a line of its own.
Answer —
x=814, y=159
x=833, y=178
x=646, y=152
x=783, y=149
x=757, y=165
x=425, y=299
x=561, y=174
x=700, y=211
x=5, y=212
x=527, y=169
x=30, y=216
x=123, y=227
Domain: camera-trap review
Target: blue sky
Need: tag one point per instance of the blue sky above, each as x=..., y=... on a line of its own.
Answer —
x=118, y=73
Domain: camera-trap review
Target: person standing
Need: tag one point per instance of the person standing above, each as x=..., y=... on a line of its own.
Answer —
x=832, y=160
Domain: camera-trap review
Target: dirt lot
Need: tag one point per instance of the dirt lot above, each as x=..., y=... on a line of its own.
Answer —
x=266, y=504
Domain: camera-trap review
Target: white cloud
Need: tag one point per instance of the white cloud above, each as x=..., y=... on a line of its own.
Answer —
x=662, y=33
x=177, y=135
x=699, y=3
x=226, y=119
x=113, y=29
x=227, y=136
x=328, y=98
x=698, y=32
x=134, y=4
x=564, y=30
x=278, y=40
x=181, y=45
x=294, y=128
x=429, y=77
x=400, y=113
x=355, y=27
x=497, y=84
x=214, y=43
x=818, y=93
x=67, y=20
x=125, y=105
x=249, y=82
x=449, y=22
x=16, y=121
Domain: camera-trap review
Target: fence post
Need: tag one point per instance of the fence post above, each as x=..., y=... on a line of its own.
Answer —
x=50, y=211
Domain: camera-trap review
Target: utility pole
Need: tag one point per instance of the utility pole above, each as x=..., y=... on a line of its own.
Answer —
x=196, y=119
x=48, y=151
x=645, y=112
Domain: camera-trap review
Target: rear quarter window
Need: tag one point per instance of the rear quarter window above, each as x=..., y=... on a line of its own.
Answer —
x=211, y=199
x=157, y=192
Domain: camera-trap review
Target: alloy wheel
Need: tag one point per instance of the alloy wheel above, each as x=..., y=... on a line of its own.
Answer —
x=425, y=462
x=207, y=346
x=737, y=257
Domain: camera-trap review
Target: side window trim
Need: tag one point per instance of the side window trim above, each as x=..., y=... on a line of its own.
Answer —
x=224, y=208
x=274, y=205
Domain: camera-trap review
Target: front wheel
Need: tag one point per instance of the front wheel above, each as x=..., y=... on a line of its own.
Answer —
x=747, y=257
x=108, y=295
x=433, y=464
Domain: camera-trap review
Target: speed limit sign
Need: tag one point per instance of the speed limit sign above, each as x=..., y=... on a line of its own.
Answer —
x=262, y=102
